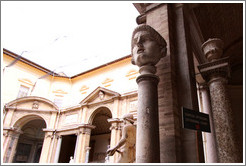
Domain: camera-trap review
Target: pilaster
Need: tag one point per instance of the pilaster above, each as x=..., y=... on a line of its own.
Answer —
x=115, y=136
x=46, y=148
x=11, y=139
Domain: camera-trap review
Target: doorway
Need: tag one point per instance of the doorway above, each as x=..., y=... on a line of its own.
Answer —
x=100, y=136
x=67, y=148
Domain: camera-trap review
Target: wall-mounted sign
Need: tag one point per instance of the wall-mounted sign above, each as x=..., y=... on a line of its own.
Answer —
x=195, y=120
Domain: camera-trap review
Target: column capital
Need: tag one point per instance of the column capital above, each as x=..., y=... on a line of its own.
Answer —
x=85, y=129
x=114, y=120
x=11, y=131
x=203, y=86
x=215, y=69
x=115, y=123
x=58, y=136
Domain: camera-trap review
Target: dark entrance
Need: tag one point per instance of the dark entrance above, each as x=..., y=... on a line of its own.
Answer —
x=67, y=148
x=30, y=142
x=100, y=136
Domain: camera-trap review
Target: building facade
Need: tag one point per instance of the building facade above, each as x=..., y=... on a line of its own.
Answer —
x=49, y=117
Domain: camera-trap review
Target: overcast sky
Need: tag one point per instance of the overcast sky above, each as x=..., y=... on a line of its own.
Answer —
x=68, y=36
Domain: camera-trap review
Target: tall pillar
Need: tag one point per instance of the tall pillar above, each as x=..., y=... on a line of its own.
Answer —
x=115, y=136
x=210, y=145
x=78, y=146
x=83, y=142
x=147, y=145
x=148, y=47
x=216, y=73
x=58, y=148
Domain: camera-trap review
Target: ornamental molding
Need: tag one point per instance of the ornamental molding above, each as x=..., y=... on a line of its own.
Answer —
x=35, y=105
x=216, y=68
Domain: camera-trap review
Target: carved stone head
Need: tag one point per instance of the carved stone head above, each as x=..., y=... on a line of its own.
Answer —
x=101, y=95
x=147, y=46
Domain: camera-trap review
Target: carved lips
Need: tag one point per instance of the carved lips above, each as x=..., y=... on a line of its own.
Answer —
x=140, y=50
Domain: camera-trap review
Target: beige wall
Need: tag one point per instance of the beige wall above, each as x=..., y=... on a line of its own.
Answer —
x=119, y=77
x=117, y=80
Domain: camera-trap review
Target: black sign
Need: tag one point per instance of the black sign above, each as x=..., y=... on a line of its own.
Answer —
x=195, y=120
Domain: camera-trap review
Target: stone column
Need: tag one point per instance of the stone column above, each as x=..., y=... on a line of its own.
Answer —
x=87, y=154
x=216, y=73
x=147, y=145
x=115, y=136
x=148, y=47
x=84, y=141
x=210, y=145
x=58, y=148
x=77, y=155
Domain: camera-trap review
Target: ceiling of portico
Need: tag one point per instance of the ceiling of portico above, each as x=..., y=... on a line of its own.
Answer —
x=224, y=21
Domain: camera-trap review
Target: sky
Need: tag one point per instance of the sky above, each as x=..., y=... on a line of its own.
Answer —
x=68, y=36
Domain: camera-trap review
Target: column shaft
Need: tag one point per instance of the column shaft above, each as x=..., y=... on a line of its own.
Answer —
x=211, y=147
x=58, y=149
x=147, y=145
x=223, y=121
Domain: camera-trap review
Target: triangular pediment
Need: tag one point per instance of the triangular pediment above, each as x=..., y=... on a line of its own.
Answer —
x=98, y=95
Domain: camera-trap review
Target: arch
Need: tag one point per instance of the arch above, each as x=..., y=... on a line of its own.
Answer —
x=97, y=110
x=32, y=98
x=30, y=141
x=101, y=135
x=20, y=122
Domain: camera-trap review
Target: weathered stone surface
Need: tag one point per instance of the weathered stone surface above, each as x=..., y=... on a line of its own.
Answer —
x=148, y=47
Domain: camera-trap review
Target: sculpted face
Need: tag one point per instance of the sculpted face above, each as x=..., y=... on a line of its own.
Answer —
x=146, y=50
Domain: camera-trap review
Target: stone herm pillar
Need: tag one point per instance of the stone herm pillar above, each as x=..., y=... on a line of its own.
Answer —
x=216, y=73
x=148, y=47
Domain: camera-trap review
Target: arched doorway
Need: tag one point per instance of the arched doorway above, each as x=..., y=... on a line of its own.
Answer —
x=100, y=136
x=30, y=142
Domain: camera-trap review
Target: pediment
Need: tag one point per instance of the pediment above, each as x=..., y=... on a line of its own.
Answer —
x=99, y=94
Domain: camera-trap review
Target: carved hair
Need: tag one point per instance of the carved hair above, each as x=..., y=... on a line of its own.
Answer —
x=143, y=27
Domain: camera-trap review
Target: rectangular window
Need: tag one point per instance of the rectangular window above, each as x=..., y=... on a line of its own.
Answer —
x=23, y=91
